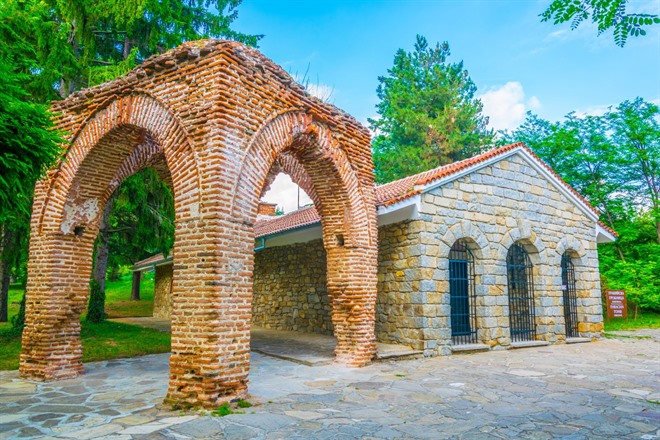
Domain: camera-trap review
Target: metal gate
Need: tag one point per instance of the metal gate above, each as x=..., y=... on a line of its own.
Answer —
x=522, y=320
x=462, y=296
x=570, y=296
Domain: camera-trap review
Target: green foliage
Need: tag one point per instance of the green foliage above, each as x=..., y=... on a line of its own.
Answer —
x=607, y=14
x=614, y=161
x=639, y=273
x=142, y=219
x=428, y=114
x=95, y=307
x=225, y=409
x=222, y=410
x=64, y=46
x=18, y=321
x=243, y=404
x=28, y=145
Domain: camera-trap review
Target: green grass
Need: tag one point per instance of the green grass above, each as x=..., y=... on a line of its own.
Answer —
x=118, y=297
x=643, y=320
x=107, y=340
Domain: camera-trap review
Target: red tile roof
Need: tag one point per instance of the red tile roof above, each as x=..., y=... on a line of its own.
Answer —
x=400, y=190
x=151, y=261
x=292, y=220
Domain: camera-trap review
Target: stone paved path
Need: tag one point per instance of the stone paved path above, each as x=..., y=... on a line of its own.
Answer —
x=600, y=390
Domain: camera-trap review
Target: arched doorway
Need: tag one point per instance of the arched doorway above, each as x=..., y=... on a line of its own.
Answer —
x=220, y=113
x=462, y=294
x=569, y=291
x=520, y=278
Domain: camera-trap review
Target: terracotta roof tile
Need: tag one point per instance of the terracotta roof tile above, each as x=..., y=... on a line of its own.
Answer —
x=147, y=262
x=402, y=189
x=292, y=220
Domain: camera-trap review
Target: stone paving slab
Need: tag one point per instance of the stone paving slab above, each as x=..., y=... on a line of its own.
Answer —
x=599, y=390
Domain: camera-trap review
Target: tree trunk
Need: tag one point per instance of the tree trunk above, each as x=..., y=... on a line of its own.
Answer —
x=4, y=291
x=127, y=47
x=5, y=239
x=135, y=290
x=102, y=250
x=616, y=243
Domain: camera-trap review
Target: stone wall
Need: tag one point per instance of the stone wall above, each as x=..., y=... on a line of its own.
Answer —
x=508, y=202
x=289, y=291
x=162, y=291
x=401, y=304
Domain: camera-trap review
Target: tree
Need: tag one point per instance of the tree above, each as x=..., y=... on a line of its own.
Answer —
x=614, y=161
x=142, y=219
x=636, y=130
x=66, y=46
x=28, y=146
x=606, y=14
x=428, y=115
x=61, y=46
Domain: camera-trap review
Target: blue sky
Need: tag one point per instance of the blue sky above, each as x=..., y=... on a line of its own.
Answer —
x=517, y=62
x=551, y=70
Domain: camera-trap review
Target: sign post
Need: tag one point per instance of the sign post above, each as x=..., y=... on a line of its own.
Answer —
x=617, y=307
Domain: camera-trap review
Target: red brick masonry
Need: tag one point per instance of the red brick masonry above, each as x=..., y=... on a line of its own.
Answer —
x=216, y=119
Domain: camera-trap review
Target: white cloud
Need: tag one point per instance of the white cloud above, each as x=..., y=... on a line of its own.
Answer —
x=506, y=105
x=594, y=110
x=322, y=91
x=285, y=193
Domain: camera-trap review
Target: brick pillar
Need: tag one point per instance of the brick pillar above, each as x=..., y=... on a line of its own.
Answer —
x=59, y=270
x=211, y=297
x=352, y=290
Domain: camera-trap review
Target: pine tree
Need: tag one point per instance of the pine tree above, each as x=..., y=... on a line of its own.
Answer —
x=429, y=115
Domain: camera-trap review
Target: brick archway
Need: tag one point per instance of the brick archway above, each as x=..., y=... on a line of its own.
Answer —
x=217, y=114
x=315, y=158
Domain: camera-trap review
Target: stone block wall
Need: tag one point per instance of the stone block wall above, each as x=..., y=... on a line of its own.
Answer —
x=289, y=291
x=162, y=291
x=491, y=209
x=403, y=294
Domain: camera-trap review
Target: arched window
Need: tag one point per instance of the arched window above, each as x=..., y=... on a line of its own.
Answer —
x=570, y=295
x=522, y=320
x=462, y=296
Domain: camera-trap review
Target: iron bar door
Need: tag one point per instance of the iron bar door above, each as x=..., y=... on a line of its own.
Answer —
x=462, y=296
x=522, y=318
x=570, y=296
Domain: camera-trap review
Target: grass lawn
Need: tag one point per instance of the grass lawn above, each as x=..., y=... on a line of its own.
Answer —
x=118, y=297
x=107, y=340
x=643, y=320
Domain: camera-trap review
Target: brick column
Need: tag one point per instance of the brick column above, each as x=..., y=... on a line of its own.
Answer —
x=211, y=297
x=59, y=270
x=352, y=289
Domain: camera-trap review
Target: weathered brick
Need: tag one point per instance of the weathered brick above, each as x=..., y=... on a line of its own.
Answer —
x=213, y=118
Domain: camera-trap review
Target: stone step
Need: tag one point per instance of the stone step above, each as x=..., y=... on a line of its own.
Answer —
x=469, y=348
x=396, y=352
x=527, y=344
x=577, y=340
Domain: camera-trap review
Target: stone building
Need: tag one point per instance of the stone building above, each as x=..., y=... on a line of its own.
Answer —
x=495, y=251
x=478, y=251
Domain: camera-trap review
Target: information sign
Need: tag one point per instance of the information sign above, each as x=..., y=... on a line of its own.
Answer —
x=616, y=304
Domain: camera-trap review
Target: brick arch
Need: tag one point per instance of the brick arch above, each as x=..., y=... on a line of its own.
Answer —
x=123, y=137
x=288, y=164
x=318, y=161
x=153, y=128
x=201, y=104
